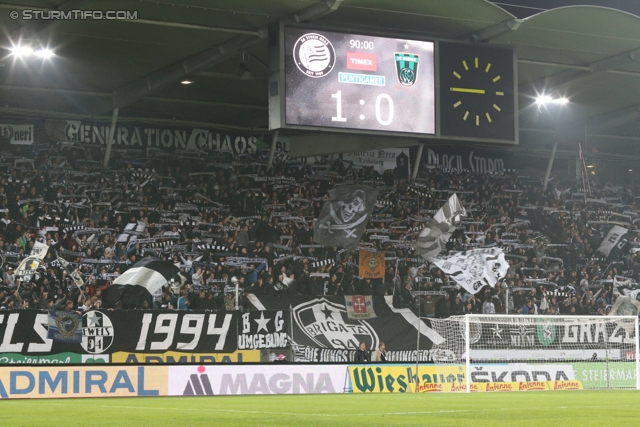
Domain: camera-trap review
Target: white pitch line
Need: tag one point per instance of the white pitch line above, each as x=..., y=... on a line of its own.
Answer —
x=303, y=414
x=273, y=413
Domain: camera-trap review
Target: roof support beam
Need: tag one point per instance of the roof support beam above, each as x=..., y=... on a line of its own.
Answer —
x=596, y=124
x=157, y=80
x=318, y=10
x=194, y=26
x=496, y=30
x=75, y=92
x=157, y=121
x=572, y=75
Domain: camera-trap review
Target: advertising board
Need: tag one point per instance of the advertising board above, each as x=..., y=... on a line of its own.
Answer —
x=35, y=382
x=256, y=379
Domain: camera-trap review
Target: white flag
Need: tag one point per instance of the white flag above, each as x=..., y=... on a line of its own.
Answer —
x=474, y=269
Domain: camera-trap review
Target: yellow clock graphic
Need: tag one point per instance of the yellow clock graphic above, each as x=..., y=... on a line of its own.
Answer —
x=487, y=90
x=477, y=92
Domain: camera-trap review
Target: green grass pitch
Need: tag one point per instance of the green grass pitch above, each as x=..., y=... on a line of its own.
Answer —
x=562, y=408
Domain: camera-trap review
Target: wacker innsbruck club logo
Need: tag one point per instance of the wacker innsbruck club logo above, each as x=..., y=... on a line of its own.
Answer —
x=407, y=68
x=314, y=55
x=545, y=331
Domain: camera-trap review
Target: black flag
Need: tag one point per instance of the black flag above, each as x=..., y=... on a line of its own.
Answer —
x=344, y=217
x=402, y=166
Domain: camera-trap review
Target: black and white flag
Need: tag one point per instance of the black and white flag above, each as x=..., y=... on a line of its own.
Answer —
x=344, y=217
x=73, y=272
x=30, y=264
x=439, y=228
x=135, y=287
x=474, y=269
x=614, y=241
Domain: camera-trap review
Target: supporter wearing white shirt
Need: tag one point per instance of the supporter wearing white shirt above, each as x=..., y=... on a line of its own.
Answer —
x=488, y=307
x=196, y=278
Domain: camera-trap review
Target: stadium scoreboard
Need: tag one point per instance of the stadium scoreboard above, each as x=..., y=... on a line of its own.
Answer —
x=332, y=81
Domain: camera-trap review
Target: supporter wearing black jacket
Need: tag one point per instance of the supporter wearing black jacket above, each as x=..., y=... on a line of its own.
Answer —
x=362, y=355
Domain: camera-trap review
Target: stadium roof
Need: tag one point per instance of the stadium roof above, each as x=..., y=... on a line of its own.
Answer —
x=587, y=53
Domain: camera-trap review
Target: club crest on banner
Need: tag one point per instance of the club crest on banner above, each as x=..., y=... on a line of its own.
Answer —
x=64, y=326
x=372, y=264
x=475, y=330
x=328, y=326
x=545, y=331
x=67, y=325
x=97, y=332
x=359, y=306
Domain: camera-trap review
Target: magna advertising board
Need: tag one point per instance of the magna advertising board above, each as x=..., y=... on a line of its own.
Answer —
x=257, y=379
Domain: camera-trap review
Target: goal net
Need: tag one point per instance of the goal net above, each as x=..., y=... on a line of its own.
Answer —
x=504, y=352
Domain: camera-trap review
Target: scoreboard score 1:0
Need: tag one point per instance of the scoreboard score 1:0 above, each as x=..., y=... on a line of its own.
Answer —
x=348, y=81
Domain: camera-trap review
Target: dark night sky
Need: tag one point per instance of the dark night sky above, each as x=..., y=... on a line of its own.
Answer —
x=526, y=8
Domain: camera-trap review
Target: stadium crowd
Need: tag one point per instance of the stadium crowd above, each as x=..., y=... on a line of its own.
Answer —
x=222, y=216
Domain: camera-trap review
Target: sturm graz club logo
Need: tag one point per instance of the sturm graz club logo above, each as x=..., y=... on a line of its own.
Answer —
x=545, y=331
x=475, y=330
x=327, y=325
x=407, y=68
x=97, y=332
x=314, y=55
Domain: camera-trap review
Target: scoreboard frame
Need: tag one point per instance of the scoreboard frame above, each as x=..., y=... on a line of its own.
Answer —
x=278, y=90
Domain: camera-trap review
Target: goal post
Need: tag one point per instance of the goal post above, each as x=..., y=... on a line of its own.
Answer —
x=527, y=352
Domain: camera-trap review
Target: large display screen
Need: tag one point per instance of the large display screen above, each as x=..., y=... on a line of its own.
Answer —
x=350, y=81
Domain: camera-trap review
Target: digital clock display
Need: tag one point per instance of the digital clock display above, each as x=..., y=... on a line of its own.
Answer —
x=337, y=80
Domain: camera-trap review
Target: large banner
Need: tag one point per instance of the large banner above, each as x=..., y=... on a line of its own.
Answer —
x=177, y=358
x=380, y=160
x=263, y=330
x=179, y=138
x=479, y=161
x=544, y=338
x=258, y=379
x=322, y=331
x=18, y=134
x=24, y=332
